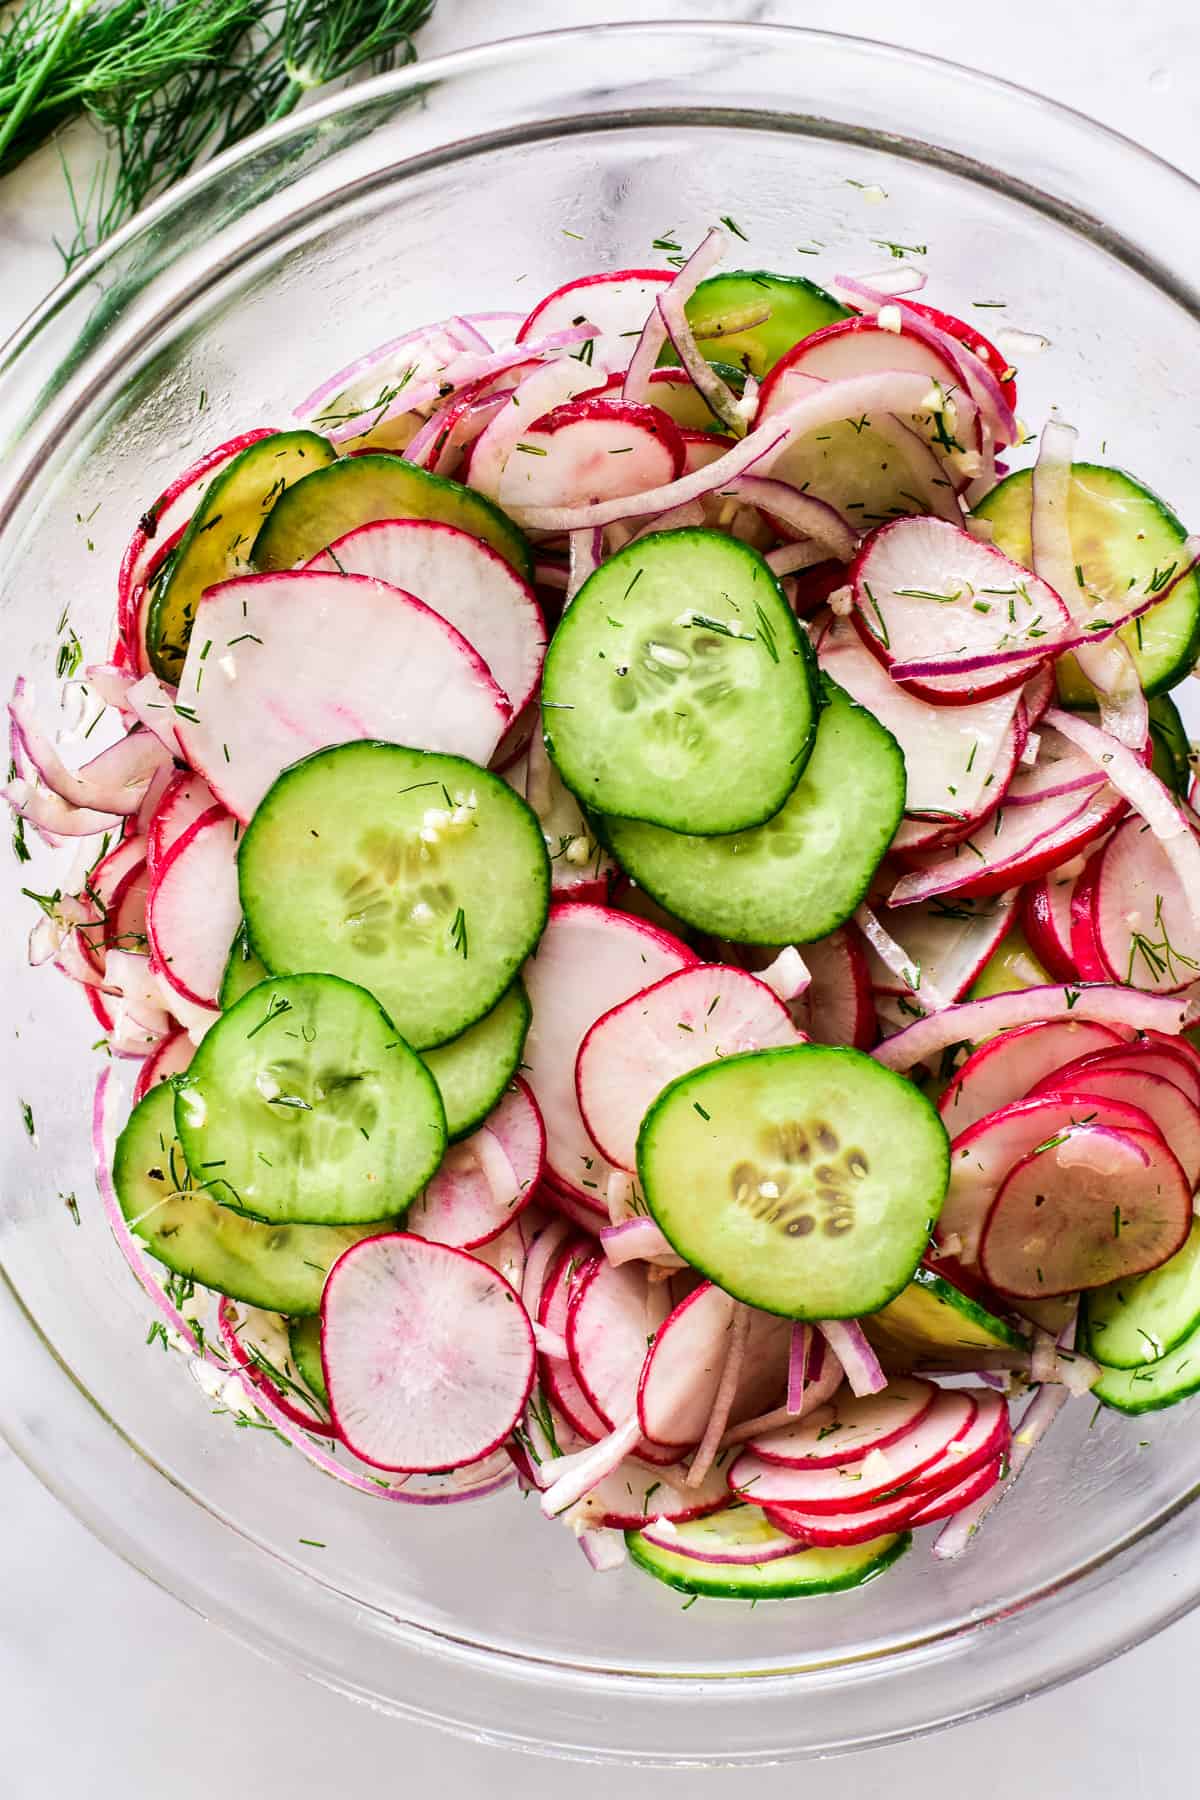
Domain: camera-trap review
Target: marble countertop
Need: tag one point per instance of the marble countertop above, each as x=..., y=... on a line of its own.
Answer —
x=110, y=1688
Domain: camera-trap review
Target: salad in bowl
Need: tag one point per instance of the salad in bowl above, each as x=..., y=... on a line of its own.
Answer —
x=639, y=882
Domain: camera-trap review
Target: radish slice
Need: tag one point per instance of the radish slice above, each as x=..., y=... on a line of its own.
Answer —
x=1097, y=1205
x=918, y=581
x=428, y=1353
x=589, y=959
x=860, y=346
x=195, y=910
x=558, y=1377
x=486, y=1180
x=682, y=1372
x=764, y=1546
x=952, y=1500
x=843, y=1528
x=187, y=797
x=462, y=579
x=843, y=1431
x=692, y=1017
x=305, y=659
x=865, y=1480
x=1167, y=1058
x=551, y=385
x=257, y=1343
x=616, y=303
x=1174, y=1113
x=982, y=1155
x=602, y=448
x=838, y=1007
x=1046, y=922
x=958, y=760
x=987, y=1436
x=1020, y=845
x=125, y=922
x=942, y=946
x=1089, y=963
x=170, y=1058
x=613, y=1314
x=509, y=1253
x=1010, y=1065
x=1147, y=928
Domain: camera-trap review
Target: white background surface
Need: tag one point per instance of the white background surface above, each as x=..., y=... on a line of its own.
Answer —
x=109, y=1688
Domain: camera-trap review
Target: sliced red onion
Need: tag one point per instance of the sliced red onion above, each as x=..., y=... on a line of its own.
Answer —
x=585, y=550
x=1037, y=1419
x=550, y=574
x=635, y=1240
x=824, y=1378
x=115, y=781
x=549, y=1343
x=797, y=1368
x=152, y=703
x=788, y=559
x=890, y=283
x=680, y=518
x=800, y=512
x=896, y=958
x=577, y=1474
x=537, y=1264
x=604, y=1548
x=897, y=391
x=111, y=683
x=721, y=401
x=50, y=812
x=718, y=1418
x=848, y=1342
x=974, y=1020
x=644, y=360
x=788, y=976
x=158, y=785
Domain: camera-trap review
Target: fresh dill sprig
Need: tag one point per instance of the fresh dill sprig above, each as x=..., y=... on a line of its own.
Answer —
x=172, y=82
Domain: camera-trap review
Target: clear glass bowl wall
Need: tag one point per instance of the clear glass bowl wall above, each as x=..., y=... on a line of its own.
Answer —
x=476, y=183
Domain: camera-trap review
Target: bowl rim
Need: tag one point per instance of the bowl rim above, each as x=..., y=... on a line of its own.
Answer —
x=1079, y=1625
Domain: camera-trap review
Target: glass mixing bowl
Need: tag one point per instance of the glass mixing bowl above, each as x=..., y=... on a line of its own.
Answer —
x=480, y=182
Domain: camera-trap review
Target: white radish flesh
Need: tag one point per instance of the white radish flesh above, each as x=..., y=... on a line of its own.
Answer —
x=846, y=1429
x=683, y=1370
x=862, y=1482
x=463, y=580
x=194, y=909
x=617, y=304
x=302, y=660
x=589, y=959
x=428, y=1353
x=1007, y=1066
x=613, y=1315
x=486, y=1180
x=187, y=797
x=693, y=1017
x=602, y=448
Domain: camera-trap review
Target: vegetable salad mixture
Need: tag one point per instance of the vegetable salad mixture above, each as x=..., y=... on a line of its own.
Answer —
x=650, y=884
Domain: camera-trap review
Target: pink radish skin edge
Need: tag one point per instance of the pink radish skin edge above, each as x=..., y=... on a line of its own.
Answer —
x=259, y=1380
x=371, y=1246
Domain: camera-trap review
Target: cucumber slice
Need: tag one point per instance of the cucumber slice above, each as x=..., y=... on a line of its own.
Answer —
x=303, y=1104
x=472, y=1071
x=1125, y=541
x=795, y=308
x=420, y=876
x=243, y=971
x=804, y=1181
x=304, y=1342
x=217, y=542
x=1136, y=1322
x=281, y=1268
x=801, y=874
x=694, y=1565
x=700, y=716
x=1009, y=969
x=1155, y=1385
x=1172, y=751
x=933, y=1315
x=358, y=490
